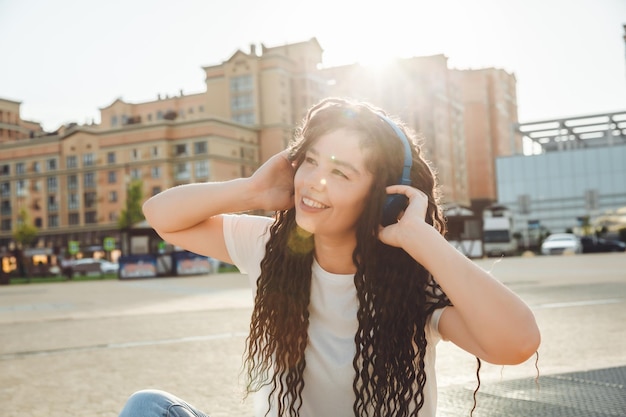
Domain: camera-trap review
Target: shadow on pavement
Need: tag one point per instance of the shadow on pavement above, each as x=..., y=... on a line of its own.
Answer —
x=597, y=393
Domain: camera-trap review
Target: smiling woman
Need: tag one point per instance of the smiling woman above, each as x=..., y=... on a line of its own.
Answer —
x=347, y=310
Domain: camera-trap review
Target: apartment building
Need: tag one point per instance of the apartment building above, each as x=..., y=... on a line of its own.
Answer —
x=73, y=182
x=490, y=115
x=424, y=94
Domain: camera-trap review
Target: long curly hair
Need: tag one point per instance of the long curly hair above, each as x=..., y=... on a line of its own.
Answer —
x=396, y=295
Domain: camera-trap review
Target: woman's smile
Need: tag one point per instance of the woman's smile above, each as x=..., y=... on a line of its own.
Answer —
x=307, y=202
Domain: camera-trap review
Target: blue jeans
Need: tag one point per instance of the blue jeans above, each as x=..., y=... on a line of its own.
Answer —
x=154, y=403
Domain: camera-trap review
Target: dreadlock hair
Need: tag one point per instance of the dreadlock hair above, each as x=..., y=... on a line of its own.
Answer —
x=396, y=295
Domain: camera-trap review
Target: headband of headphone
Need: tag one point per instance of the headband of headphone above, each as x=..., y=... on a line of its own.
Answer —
x=395, y=204
x=405, y=179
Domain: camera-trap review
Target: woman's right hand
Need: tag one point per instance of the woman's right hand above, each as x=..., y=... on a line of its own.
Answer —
x=273, y=183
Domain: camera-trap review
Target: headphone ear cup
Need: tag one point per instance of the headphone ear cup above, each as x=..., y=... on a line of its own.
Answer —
x=394, y=205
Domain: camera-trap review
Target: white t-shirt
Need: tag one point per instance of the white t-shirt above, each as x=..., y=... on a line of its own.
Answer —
x=329, y=373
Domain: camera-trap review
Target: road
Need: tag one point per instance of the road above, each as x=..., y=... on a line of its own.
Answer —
x=80, y=348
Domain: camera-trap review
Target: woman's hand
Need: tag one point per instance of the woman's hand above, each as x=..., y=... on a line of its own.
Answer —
x=413, y=216
x=486, y=318
x=273, y=183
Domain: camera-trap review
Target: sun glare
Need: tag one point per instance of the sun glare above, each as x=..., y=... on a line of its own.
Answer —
x=396, y=36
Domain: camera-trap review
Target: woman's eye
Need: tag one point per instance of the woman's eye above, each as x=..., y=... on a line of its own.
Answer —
x=309, y=160
x=341, y=174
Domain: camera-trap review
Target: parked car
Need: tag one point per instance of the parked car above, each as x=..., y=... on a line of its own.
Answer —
x=592, y=244
x=558, y=243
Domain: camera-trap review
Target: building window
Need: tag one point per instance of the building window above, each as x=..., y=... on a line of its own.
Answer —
x=134, y=154
x=5, y=169
x=72, y=182
x=6, y=225
x=38, y=222
x=88, y=159
x=90, y=217
x=200, y=109
x=73, y=202
x=90, y=199
x=113, y=121
x=70, y=162
x=199, y=148
x=202, y=169
x=159, y=115
x=135, y=173
x=113, y=217
x=73, y=219
x=181, y=150
x=89, y=180
x=112, y=196
x=20, y=168
x=241, y=83
x=36, y=166
x=51, y=164
x=52, y=184
x=241, y=102
x=155, y=172
x=5, y=208
x=182, y=171
x=21, y=189
x=156, y=190
x=110, y=157
x=155, y=151
x=5, y=189
x=53, y=220
x=112, y=177
x=52, y=203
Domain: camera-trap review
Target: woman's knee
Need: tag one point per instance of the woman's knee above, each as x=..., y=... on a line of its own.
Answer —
x=147, y=403
x=156, y=403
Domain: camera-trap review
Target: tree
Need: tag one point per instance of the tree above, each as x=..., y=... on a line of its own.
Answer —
x=24, y=235
x=132, y=213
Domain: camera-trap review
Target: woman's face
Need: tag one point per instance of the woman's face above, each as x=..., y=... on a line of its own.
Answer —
x=332, y=185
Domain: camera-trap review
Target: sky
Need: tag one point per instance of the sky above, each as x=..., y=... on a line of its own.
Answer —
x=66, y=59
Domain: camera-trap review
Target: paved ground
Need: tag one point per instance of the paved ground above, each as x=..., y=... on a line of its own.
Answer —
x=80, y=348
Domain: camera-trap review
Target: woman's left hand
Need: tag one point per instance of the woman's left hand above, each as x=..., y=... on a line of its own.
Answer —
x=413, y=215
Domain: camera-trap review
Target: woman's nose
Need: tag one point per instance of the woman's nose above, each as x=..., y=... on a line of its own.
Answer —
x=316, y=179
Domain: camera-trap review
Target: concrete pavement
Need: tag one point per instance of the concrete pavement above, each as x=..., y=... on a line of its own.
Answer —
x=80, y=348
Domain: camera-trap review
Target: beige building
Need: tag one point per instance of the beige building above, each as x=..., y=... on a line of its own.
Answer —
x=12, y=126
x=72, y=183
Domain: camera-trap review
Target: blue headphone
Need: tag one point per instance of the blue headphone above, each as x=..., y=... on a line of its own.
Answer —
x=396, y=203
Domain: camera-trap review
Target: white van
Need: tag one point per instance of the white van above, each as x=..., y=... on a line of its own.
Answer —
x=498, y=236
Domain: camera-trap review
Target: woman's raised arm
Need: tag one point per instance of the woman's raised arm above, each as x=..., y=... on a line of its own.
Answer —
x=189, y=215
x=486, y=319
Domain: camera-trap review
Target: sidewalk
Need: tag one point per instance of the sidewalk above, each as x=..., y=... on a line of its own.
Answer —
x=80, y=349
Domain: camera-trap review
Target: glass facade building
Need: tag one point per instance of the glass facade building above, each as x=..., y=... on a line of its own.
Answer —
x=555, y=190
